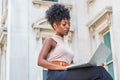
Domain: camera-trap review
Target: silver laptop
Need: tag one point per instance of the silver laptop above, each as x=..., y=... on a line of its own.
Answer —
x=98, y=58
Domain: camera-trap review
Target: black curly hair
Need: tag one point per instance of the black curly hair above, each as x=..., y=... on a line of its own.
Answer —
x=56, y=13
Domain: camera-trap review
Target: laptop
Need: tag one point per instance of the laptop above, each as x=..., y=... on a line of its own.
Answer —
x=98, y=58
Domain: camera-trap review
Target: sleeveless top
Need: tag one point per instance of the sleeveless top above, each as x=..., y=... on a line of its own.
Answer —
x=61, y=52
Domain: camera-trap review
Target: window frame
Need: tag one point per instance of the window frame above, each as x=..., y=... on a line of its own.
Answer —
x=109, y=62
x=98, y=27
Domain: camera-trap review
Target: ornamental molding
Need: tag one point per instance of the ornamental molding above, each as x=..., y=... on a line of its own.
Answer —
x=38, y=3
x=105, y=13
x=42, y=25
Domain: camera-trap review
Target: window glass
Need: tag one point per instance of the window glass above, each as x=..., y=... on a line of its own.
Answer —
x=45, y=74
x=109, y=60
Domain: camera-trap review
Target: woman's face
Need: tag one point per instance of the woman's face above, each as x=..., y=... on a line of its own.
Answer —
x=63, y=27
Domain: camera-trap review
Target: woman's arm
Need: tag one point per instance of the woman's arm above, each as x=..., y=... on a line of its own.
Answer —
x=47, y=46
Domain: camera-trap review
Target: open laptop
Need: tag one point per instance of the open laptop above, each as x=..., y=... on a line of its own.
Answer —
x=98, y=58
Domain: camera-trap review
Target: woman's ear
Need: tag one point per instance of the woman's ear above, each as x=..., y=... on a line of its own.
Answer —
x=55, y=26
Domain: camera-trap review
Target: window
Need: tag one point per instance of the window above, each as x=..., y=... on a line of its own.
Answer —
x=45, y=74
x=100, y=32
x=51, y=0
x=109, y=60
x=104, y=36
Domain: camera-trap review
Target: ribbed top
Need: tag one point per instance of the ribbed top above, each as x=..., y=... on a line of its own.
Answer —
x=61, y=52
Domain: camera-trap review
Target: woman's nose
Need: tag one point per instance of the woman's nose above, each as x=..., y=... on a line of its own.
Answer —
x=68, y=26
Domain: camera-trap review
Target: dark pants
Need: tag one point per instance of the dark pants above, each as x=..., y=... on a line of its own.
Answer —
x=89, y=73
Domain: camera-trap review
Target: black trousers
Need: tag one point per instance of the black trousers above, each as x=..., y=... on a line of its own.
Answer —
x=88, y=73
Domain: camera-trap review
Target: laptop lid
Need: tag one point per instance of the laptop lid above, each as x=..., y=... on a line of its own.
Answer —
x=100, y=55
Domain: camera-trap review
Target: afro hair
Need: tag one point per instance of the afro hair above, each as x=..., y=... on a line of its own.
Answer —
x=56, y=13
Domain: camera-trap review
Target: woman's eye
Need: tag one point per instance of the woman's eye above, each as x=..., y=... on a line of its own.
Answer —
x=64, y=24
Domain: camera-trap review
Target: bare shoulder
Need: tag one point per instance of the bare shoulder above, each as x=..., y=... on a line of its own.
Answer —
x=49, y=41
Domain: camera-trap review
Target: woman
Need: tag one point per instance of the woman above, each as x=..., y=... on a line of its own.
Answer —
x=55, y=54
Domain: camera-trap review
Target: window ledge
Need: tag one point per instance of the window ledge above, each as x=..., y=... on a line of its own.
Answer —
x=49, y=3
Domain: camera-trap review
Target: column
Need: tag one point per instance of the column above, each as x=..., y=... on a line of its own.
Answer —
x=18, y=46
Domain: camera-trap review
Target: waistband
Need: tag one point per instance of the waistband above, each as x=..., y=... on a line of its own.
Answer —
x=61, y=63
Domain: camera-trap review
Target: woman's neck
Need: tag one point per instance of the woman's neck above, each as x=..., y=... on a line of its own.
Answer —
x=60, y=35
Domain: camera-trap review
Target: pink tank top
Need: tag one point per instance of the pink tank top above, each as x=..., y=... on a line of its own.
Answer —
x=61, y=52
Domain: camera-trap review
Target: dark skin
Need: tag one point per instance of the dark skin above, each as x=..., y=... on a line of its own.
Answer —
x=61, y=29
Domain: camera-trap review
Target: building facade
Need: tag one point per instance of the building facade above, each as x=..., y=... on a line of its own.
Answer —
x=3, y=38
x=23, y=29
